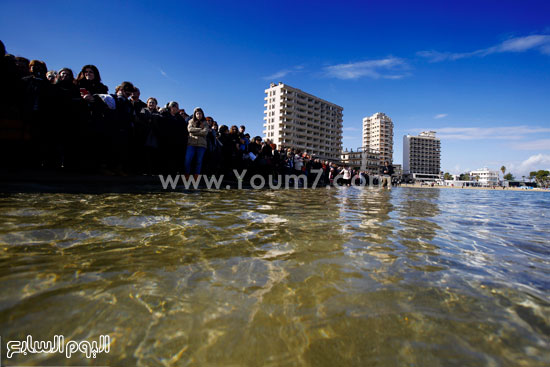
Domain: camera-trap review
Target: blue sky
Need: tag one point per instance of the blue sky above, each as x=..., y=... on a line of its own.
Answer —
x=477, y=72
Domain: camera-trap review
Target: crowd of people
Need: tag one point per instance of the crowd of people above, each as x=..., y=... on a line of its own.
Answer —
x=52, y=119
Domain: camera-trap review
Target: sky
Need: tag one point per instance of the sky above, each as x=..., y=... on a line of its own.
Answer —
x=476, y=72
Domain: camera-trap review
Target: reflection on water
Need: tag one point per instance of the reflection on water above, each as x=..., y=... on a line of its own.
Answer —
x=281, y=278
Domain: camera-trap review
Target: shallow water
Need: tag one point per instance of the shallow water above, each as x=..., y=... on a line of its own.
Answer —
x=411, y=277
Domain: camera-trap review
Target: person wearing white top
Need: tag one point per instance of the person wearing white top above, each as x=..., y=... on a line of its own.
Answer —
x=298, y=163
x=346, y=172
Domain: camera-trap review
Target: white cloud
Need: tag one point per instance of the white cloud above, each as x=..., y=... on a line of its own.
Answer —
x=538, y=42
x=436, y=56
x=279, y=74
x=388, y=68
x=350, y=129
x=477, y=133
x=165, y=74
x=282, y=73
x=522, y=44
x=533, y=163
x=440, y=116
x=541, y=144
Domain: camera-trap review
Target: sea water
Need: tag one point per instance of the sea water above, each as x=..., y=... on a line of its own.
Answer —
x=326, y=277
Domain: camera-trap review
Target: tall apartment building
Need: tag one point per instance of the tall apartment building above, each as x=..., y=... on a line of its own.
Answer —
x=296, y=119
x=422, y=156
x=378, y=136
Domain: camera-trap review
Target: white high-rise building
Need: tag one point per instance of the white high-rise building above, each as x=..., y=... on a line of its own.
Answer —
x=378, y=136
x=296, y=119
x=422, y=156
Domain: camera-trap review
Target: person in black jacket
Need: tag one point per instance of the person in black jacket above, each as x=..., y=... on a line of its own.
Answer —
x=65, y=82
x=150, y=117
x=68, y=101
x=124, y=143
x=10, y=85
x=387, y=172
x=212, y=157
x=255, y=146
x=89, y=82
x=112, y=124
x=173, y=135
x=236, y=155
x=37, y=113
x=22, y=64
x=136, y=102
x=14, y=134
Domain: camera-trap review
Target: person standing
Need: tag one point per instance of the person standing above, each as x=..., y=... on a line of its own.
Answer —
x=173, y=137
x=136, y=102
x=387, y=172
x=196, y=143
x=37, y=113
x=346, y=173
x=122, y=132
x=150, y=117
x=298, y=163
x=68, y=102
x=89, y=82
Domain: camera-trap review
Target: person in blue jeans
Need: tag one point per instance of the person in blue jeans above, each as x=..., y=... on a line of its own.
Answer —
x=196, y=143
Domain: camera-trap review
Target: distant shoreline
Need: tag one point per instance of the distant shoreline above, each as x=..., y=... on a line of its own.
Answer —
x=497, y=188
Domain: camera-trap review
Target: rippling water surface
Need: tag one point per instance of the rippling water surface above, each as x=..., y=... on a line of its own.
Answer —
x=411, y=277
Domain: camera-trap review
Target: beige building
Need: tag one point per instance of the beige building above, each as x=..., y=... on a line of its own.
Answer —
x=354, y=159
x=422, y=156
x=351, y=158
x=296, y=119
x=378, y=136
